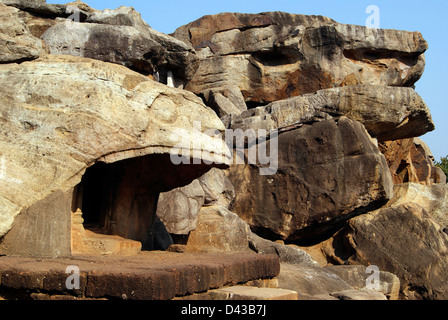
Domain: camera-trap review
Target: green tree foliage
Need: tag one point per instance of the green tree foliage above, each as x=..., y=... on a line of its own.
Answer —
x=443, y=164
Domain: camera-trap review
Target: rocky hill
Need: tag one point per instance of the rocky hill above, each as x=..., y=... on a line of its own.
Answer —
x=273, y=133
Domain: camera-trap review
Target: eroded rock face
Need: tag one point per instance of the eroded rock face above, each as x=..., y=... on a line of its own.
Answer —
x=275, y=55
x=219, y=230
x=17, y=44
x=121, y=37
x=418, y=256
x=388, y=113
x=410, y=160
x=433, y=198
x=327, y=172
x=359, y=277
x=62, y=114
x=179, y=208
x=42, y=8
x=122, y=16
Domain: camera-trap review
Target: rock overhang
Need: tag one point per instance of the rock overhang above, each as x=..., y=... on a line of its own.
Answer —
x=281, y=55
x=63, y=114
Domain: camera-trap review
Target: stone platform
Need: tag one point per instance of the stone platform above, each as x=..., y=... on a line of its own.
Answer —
x=147, y=276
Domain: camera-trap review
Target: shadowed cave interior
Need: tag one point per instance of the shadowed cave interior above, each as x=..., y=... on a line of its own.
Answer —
x=121, y=198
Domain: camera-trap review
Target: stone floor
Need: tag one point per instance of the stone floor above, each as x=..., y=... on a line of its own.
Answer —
x=147, y=276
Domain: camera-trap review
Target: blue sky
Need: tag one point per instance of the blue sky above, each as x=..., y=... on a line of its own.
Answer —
x=429, y=17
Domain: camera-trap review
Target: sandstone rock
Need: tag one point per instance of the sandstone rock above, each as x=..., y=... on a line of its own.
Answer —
x=287, y=254
x=179, y=58
x=179, y=208
x=357, y=277
x=38, y=24
x=218, y=230
x=388, y=113
x=403, y=240
x=359, y=295
x=82, y=6
x=309, y=281
x=139, y=48
x=63, y=114
x=253, y=293
x=45, y=9
x=218, y=190
x=275, y=55
x=327, y=172
x=225, y=101
x=410, y=160
x=433, y=198
x=17, y=44
x=122, y=16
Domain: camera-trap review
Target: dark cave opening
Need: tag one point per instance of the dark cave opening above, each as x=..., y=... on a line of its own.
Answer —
x=121, y=198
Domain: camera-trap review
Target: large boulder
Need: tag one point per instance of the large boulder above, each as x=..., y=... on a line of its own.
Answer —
x=361, y=278
x=218, y=230
x=388, y=113
x=64, y=114
x=433, y=198
x=17, y=44
x=50, y=10
x=287, y=254
x=178, y=209
x=327, y=172
x=122, y=37
x=411, y=160
x=310, y=282
x=275, y=55
x=403, y=240
x=122, y=16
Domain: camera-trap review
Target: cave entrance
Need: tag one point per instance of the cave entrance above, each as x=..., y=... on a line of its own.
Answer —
x=114, y=206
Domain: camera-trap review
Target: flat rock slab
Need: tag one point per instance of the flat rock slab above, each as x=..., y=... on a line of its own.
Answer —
x=254, y=293
x=147, y=276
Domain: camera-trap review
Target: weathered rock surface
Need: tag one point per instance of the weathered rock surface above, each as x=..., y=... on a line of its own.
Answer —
x=357, y=277
x=225, y=100
x=120, y=37
x=359, y=295
x=122, y=16
x=433, y=198
x=179, y=208
x=62, y=114
x=42, y=8
x=309, y=281
x=218, y=190
x=388, y=113
x=275, y=55
x=252, y=293
x=287, y=254
x=218, y=230
x=17, y=44
x=38, y=24
x=410, y=160
x=327, y=172
x=403, y=240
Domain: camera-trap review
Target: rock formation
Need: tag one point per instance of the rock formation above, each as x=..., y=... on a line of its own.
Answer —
x=410, y=160
x=116, y=138
x=273, y=56
x=327, y=172
x=63, y=114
